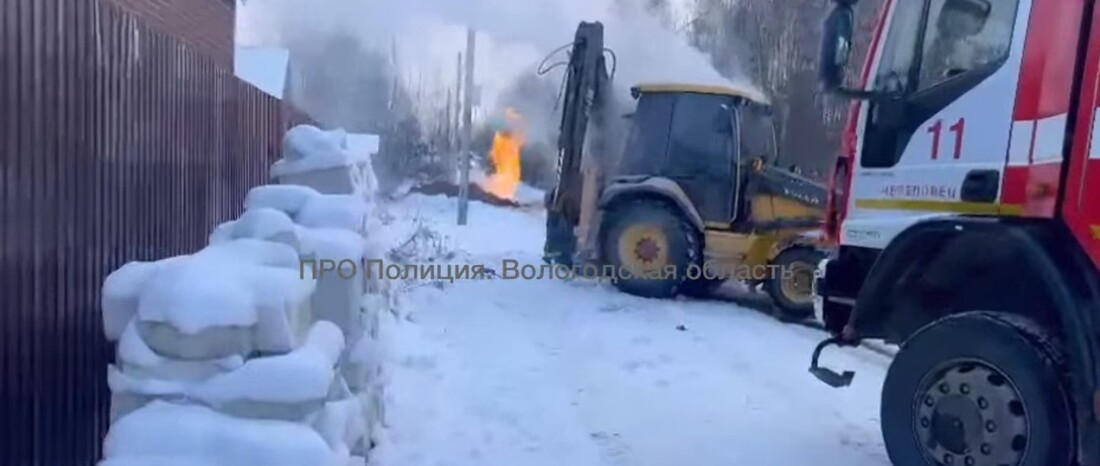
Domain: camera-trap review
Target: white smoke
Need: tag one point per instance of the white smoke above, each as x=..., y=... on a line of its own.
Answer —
x=513, y=36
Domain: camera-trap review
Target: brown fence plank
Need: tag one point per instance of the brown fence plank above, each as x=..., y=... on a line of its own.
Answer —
x=118, y=142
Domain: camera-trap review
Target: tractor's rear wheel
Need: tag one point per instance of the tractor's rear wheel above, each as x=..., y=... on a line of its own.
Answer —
x=650, y=246
x=980, y=389
x=790, y=283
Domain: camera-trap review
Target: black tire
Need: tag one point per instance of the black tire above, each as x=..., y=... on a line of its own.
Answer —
x=795, y=258
x=997, y=348
x=682, y=240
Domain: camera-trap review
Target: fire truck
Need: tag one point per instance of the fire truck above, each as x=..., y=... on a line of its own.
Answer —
x=965, y=211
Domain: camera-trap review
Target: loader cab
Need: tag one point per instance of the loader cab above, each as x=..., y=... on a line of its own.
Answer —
x=704, y=138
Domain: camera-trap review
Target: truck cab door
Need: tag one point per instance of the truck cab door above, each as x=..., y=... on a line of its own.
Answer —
x=700, y=155
x=934, y=140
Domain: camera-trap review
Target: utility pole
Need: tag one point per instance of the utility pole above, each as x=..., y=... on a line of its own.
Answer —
x=445, y=127
x=457, y=123
x=467, y=130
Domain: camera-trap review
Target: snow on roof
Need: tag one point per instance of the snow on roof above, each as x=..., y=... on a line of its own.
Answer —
x=263, y=67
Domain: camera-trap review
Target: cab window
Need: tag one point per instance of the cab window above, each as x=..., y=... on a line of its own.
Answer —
x=964, y=35
x=934, y=52
x=649, y=134
x=757, y=133
x=899, y=49
x=702, y=135
x=932, y=41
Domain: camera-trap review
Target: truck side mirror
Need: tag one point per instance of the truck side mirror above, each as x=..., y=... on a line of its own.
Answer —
x=836, y=51
x=836, y=46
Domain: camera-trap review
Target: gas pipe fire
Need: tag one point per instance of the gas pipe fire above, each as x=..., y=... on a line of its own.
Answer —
x=505, y=157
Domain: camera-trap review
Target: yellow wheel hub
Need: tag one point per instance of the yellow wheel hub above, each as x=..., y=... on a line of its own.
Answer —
x=643, y=249
x=797, y=282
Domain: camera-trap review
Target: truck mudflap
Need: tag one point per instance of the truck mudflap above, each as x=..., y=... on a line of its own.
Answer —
x=828, y=376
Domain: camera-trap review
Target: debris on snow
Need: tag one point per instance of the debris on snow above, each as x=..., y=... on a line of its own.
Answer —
x=425, y=245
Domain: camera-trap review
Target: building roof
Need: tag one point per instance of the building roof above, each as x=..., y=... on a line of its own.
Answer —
x=739, y=91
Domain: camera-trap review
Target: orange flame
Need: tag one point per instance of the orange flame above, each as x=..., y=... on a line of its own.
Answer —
x=505, y=157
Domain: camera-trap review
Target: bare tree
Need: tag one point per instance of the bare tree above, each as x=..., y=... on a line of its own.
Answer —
x=776, y=44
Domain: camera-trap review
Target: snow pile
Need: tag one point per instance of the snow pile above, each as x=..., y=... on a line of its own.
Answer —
x=288, y=199
x=256, y=349
x=307, y=148
x=334, y=211
x=197, y=435
x=324, y=161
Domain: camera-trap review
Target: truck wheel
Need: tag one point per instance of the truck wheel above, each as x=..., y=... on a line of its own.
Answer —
x=643, y=238
x=978, y=389
x=790, y=284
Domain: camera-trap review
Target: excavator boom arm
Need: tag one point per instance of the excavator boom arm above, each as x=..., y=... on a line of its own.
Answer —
x=587, y=83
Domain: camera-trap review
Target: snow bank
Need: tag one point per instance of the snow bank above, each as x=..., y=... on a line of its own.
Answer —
x=198, y=295
x=334, y=211
x=342, y=425
x=197, y=435
x=267, y=224
x=332, y=244
x=120, y=294
x=222, y=233
x=305, y=374
x=232, y=355
x=285, y=198
x=250, y=251
x=136, y=358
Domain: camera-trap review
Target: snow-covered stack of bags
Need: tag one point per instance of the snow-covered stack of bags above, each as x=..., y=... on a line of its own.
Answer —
x=246, y=352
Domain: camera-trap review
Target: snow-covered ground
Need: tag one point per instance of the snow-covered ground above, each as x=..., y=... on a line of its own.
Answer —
x=553, y=372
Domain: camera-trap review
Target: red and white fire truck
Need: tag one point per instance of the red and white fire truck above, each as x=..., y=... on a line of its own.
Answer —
x=965, y=207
